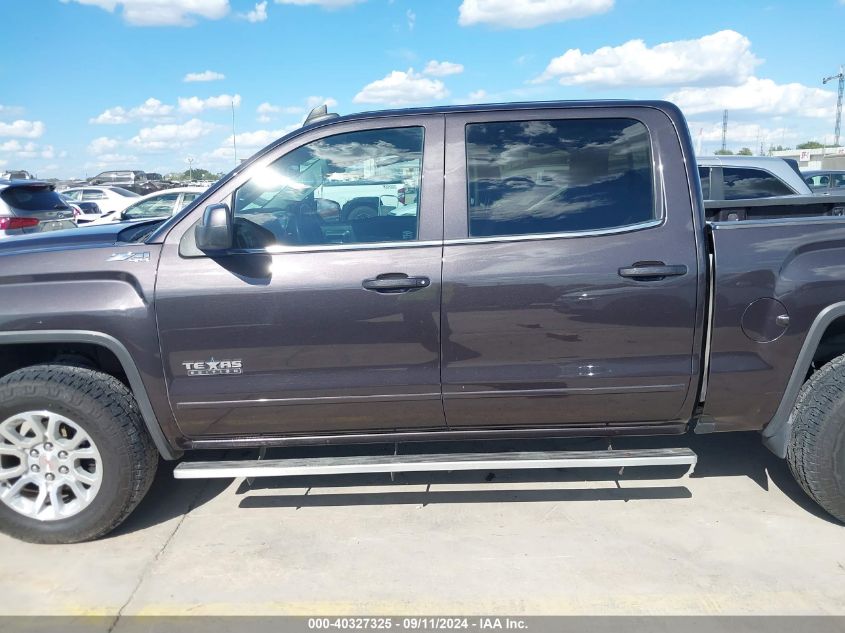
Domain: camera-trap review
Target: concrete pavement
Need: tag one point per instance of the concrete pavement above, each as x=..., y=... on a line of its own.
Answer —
x=738, y=537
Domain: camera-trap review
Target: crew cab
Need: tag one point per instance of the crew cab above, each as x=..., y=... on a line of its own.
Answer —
x=556, y=276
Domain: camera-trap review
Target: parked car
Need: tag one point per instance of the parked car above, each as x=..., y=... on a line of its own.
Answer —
x=18, y=174
x=31, y=206
x=108, y=199
x=84, y=212
x=158, y=205
x=560, y=280
x=753, y=187
x=825, y=182
x=747, y=177
x=133, y=180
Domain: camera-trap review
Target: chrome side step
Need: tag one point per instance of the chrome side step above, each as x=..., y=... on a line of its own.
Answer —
x=435, y=462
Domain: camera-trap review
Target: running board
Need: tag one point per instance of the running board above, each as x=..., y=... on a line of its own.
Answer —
x=435, y=462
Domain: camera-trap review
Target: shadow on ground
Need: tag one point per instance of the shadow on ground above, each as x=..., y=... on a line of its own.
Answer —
x=720, y=455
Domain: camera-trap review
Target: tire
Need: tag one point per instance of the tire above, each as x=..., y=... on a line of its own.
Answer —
x=816, y=450
x=92, y=415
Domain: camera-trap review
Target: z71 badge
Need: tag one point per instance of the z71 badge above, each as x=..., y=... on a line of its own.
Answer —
x=214, y=367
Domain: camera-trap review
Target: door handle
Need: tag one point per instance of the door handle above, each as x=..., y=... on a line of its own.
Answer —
x=652, y=271
x=395, y=282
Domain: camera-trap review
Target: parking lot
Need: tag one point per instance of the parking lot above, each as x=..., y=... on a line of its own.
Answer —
x=737, y=537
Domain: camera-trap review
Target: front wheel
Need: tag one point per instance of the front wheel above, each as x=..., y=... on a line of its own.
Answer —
x=75, y=458
x=816, y=451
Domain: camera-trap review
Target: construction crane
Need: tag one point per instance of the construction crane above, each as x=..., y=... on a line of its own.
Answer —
x=841, y=78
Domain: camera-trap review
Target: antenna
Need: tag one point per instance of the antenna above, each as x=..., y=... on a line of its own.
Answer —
x=234, y=139
x=725, y=131
x=841, y=77
x=320, y=113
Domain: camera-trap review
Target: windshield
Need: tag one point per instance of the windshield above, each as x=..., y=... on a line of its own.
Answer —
x=157, y=207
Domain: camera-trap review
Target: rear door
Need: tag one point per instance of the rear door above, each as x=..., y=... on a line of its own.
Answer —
x=315, y=323
x=571, y=276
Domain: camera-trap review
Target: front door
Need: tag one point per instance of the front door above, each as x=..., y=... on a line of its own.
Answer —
x=570, y=288
x=319, y=321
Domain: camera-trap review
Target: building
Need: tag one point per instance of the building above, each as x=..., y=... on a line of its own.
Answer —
x=822, y=158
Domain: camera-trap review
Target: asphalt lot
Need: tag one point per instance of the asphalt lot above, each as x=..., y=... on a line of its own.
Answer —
x=738, y=537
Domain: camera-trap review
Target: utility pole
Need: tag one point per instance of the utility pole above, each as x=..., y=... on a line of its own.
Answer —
x=841, y=78
x=725, y=131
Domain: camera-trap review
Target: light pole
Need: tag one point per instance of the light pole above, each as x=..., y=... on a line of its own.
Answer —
x=190, y=168
x=841, y=77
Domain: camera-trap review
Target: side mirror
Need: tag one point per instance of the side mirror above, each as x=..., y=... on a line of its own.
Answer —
x=216, y=230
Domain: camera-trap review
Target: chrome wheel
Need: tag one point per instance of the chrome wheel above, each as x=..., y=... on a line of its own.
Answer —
x=50, y=468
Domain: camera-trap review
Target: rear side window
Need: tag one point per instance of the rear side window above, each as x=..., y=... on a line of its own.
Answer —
x=704, y=175
x=558, y=176
x=752, y=183
x=33, y=199
x=839, y=180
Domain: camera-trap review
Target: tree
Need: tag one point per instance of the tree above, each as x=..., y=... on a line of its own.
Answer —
x=723, y=152
x=810, y=145
x=745, y=152
x=197, y=174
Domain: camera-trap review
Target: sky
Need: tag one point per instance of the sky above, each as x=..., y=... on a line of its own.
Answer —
x=90, y=85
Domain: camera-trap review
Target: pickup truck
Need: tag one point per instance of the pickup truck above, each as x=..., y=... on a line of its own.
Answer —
x=556, y=277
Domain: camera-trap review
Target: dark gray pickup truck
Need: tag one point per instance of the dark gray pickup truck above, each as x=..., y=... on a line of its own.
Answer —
x=556, y=276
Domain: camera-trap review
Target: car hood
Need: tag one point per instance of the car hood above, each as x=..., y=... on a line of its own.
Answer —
x=85, y=237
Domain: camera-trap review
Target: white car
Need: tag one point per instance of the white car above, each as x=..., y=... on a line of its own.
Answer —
x=159, y=204
x=109, y=199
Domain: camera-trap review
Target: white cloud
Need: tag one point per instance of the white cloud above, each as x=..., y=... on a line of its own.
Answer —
x=9, y=111
x=478, y=95
x=22, y=129
x=723, y=58
x=441, y=69
x=171, y=136
x=28, y=150
x=268, y=111
x=208, y=75
x=103, y=145
x=326, y=4
x=162, y=12
x=758, y=96
x=526, y=14
x=258, y=14
x=151, y=109
x=313, y=101
x=412, y=19
x=195, y=105
x=402, y=88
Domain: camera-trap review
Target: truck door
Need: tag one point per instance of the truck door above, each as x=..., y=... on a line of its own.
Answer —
x=315, y=323
x=572, y=275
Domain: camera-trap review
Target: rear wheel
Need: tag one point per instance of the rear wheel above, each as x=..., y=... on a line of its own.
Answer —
x=75, y=458
x=816, y=451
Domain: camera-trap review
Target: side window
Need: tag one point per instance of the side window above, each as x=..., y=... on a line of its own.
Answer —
x=533, y=177
x=752, y=183
x=187, y=198
x=704, y=174
x=839, y=180
x=344, y=189
x=92, y=194
x=73, y=195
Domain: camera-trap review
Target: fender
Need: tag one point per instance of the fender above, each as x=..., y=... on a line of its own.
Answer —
x=777, y=432
x=123, y=357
